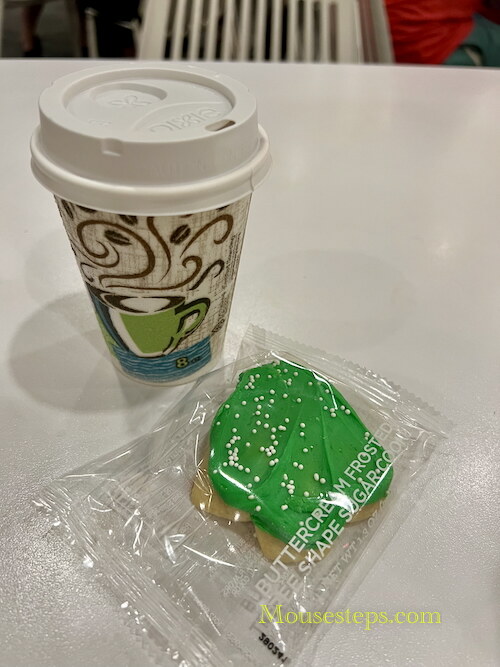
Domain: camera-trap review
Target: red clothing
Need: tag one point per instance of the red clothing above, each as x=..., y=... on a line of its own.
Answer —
x=428, y=31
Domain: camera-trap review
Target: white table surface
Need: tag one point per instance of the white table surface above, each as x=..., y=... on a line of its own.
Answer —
x=375, y=237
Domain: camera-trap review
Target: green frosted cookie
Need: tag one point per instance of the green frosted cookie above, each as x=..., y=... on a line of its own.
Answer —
x=287, y=442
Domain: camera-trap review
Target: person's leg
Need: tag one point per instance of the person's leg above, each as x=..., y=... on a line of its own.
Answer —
x=29, y=21
x=488, y=41
x=464, y=56
x=480, y=48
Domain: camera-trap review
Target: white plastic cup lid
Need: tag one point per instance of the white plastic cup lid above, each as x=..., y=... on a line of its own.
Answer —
x=149, y=140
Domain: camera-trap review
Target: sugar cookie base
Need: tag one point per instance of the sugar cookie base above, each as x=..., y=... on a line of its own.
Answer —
x=206, y=499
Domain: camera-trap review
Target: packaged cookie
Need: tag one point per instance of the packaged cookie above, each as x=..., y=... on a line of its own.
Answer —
x=284, y=444
x=251, y=502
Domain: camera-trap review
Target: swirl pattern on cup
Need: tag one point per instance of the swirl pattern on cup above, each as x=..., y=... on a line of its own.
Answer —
x=117, y=252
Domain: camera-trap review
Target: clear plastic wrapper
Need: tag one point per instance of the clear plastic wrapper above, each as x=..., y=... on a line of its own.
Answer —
x=266, y=493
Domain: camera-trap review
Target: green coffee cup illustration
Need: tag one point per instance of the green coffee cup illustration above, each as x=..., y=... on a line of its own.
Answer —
x=156, y=327
x=148, y=326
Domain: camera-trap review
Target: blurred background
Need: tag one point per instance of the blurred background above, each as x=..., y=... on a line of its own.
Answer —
x=53, y=27
x=453, y=32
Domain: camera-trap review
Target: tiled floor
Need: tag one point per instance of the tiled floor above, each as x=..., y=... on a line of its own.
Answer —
x=53, y=31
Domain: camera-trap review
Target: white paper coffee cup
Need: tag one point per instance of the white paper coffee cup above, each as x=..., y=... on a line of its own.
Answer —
x=153, y=170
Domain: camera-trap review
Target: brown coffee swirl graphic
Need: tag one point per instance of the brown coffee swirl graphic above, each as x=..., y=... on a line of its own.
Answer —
x=228, y=219
x=100, y=243
x=139, y=252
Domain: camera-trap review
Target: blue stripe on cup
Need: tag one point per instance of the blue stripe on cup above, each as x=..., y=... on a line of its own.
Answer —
x=170, y=367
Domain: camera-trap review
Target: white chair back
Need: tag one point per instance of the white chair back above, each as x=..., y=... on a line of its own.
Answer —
x=260, y=30
x=377, y=42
